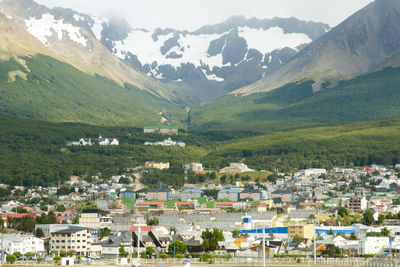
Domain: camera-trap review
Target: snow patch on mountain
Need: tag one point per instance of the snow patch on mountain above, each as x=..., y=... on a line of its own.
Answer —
x=271, y=39
x=47, y=25
x=97, y=26
x=190, y=48
x=212, y=77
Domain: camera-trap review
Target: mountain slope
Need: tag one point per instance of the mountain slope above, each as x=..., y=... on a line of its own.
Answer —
x=360, y=44
x=214, y=59
x=295, y=105
x=67, y=36
x=42, y=87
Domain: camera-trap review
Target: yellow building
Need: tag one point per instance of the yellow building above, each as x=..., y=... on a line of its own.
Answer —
x=304, y=230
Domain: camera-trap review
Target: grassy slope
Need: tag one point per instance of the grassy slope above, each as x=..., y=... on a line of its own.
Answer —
x=366, y=97
x=56, y=91
x=355, y=144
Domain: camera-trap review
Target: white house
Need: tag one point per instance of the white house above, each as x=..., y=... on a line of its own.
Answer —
x=373, y=245
x=22, y=243
x=107, y=141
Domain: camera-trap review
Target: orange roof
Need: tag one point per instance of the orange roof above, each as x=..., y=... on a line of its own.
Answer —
x=226, y=203
x=151, y=203
x=142, y=228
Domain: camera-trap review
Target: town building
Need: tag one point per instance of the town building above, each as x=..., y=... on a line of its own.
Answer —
x=74, y=238
x=160, y=194
x=80, y=142
x=284, y=194
x=22, y=243
x=156, y=165
x=304, y=230
x=95, y=218
x=128, y=194
x=171, y=130
x=194, y=167
x=165, y=142
x=357, y=204
x=236, y=168
x=231, y=194
x=193, y=193
x=253, y=194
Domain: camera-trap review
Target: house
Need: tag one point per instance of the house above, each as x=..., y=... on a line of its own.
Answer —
x=285, y=195
x=80, y=142
x=95, y=218
x=110, y=246
x=107, y=141
x=236, y=168
x=171, y=130
x=194, y=167
x=253, y=194
x=231, y=194
x=165, y=142
x=22, y=243
x=191, y=194
x=145, y=205
x=374, y=245
x=301, y=215
x=156, y=165
x=160, y=194
x=75, y=238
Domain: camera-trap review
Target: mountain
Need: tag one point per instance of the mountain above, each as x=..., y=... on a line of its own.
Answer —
x=71, y=37
x=213, y=60
x=295, y=105
x=366, y=41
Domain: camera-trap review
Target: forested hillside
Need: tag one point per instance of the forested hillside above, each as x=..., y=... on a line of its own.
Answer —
x=34, y=152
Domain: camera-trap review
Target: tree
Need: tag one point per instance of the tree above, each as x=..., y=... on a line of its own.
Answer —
x=177, y=247
x=39, y=232
x=104, y=232
x=331, y=250
x=70, y=253
x=297, y=238
x=211, y=238
x=60, y=208
x=123, y=252
x=330, y=232
x=150, y=251
x=152, y=221
x=235, y=233
x=368, y=217
x=63, y=253
x=385, y=232
x=17, y=254
x=57, y=258
x=353, y=236
x=342, y=212
x=11, y=258
x=143, y=255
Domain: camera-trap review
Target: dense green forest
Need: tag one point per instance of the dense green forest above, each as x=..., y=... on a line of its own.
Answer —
x=367, y=97
x=34, y=152
x=41, y=87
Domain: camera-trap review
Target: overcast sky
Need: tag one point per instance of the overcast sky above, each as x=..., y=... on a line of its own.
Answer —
x=191, y=14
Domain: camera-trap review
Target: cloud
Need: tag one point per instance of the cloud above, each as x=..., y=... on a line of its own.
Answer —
x=191, y=14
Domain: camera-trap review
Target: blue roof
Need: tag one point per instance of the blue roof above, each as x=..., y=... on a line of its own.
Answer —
x=229, y=190
x=192, y=190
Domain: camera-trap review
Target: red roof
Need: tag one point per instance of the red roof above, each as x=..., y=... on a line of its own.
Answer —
x=142, y=228
x=368, y=169
x=60, y=219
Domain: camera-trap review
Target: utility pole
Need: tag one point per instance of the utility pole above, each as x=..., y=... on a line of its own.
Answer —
x=315, y=250
x=263, y=245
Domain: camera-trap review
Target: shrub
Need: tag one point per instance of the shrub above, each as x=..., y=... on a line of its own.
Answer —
x=298, y=260
x=39, y=259
x=211, y=261
x=179, y=256
x=325, y=256
x=164, y=256
x=11, y=258
x=57, y=258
